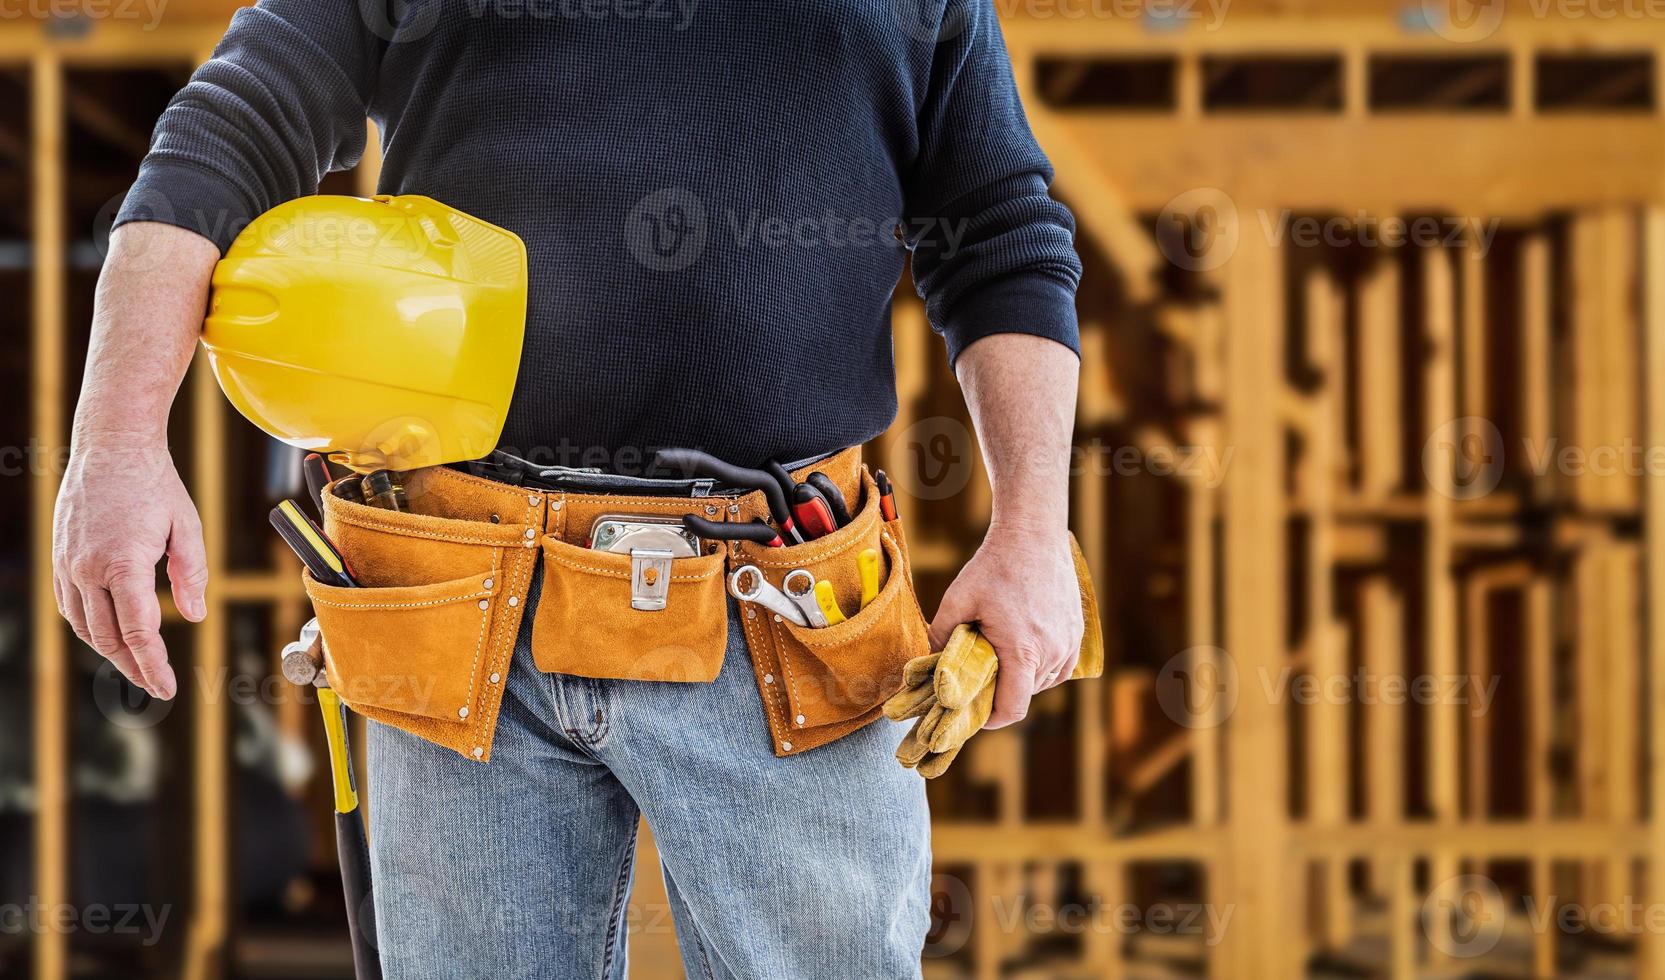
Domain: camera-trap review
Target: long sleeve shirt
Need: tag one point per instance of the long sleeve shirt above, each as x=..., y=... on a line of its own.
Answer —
x=718, y=197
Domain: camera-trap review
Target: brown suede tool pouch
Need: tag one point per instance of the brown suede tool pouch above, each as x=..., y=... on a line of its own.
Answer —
x=424, y=645
x=821, y=684
x=585, y=623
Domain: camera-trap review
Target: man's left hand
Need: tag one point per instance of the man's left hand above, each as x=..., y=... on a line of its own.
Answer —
x=1020, y=590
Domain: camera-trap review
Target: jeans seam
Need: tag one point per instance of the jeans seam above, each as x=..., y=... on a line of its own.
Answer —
x=604, y=715
x=618, y=904
x=693, y=929
x=705, y=955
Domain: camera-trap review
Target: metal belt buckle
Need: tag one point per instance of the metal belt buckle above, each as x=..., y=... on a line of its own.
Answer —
x=650, y=579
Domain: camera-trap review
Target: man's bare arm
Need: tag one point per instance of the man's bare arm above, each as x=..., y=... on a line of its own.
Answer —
x=121, y=506
x=1020, y=586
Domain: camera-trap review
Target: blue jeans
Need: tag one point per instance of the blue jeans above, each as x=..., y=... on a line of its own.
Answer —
x=788, y=869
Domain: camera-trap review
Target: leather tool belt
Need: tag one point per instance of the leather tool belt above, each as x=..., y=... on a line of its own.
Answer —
x=425, y=644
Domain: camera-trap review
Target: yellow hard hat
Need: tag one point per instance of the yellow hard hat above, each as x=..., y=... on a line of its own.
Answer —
x=386, y=332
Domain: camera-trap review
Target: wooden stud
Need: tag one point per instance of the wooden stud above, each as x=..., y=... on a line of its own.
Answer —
x=1653, y=350
x=1382, y=631
x=1201, y=625
x=1378, y=377
x=1622, y=613
x=1091, y=730
x=1327, y=752
x=1402, y=922
x=51, y=652
x=1256, y=864
x=1536, y=377
x=1440, y=620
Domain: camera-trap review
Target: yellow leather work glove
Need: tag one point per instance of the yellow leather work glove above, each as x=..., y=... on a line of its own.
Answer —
x=952, y=692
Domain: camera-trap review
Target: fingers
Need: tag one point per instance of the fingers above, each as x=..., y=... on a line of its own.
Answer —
x=1014, y=686
x=104, y=632
x=140, y=616
x=1061, y=673
x=73, y=610
x=188, y=565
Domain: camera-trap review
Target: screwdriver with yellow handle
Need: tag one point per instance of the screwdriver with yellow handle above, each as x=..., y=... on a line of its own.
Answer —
x=868, y=561
x=315, y=551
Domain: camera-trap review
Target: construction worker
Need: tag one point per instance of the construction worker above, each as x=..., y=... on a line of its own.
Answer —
x=714, y=199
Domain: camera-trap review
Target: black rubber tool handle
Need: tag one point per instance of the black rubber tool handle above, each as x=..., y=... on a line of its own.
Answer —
x=756, y=530
x=692, y=462
x=784, y=479
x=830, y=491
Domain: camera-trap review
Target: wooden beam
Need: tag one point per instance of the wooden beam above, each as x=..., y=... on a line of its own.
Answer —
x=51, y=652
x=1623, y=612
x=1202, y=512
x=1091, y=507
x=1592, y=655
x=1619, y=337
x=1323, y=29
x=1536, y=391
x=1379, y=382
x=1382, y=654
x=1493, y=166
x=1402, y=908
x=1653, y=353
x=1257, y=860
x=1439, y=591
x=1328, y=742
x=1523, y=80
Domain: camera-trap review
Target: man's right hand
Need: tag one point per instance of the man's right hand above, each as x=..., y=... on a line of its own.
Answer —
x=121, y=506
x=119, y=511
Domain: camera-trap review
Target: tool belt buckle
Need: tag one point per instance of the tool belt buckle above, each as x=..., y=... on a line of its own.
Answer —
x=650, y=579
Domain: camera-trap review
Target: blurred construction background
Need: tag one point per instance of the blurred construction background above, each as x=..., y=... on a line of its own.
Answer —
x=1370, y=475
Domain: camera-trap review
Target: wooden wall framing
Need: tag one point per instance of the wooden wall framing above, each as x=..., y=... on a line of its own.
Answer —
x=1397, y=568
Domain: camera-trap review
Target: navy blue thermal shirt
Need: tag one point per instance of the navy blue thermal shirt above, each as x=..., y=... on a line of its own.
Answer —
x=717, y=196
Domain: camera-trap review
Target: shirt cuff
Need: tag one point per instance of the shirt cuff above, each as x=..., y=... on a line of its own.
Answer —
x=1033, y=303
x=190, y=197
